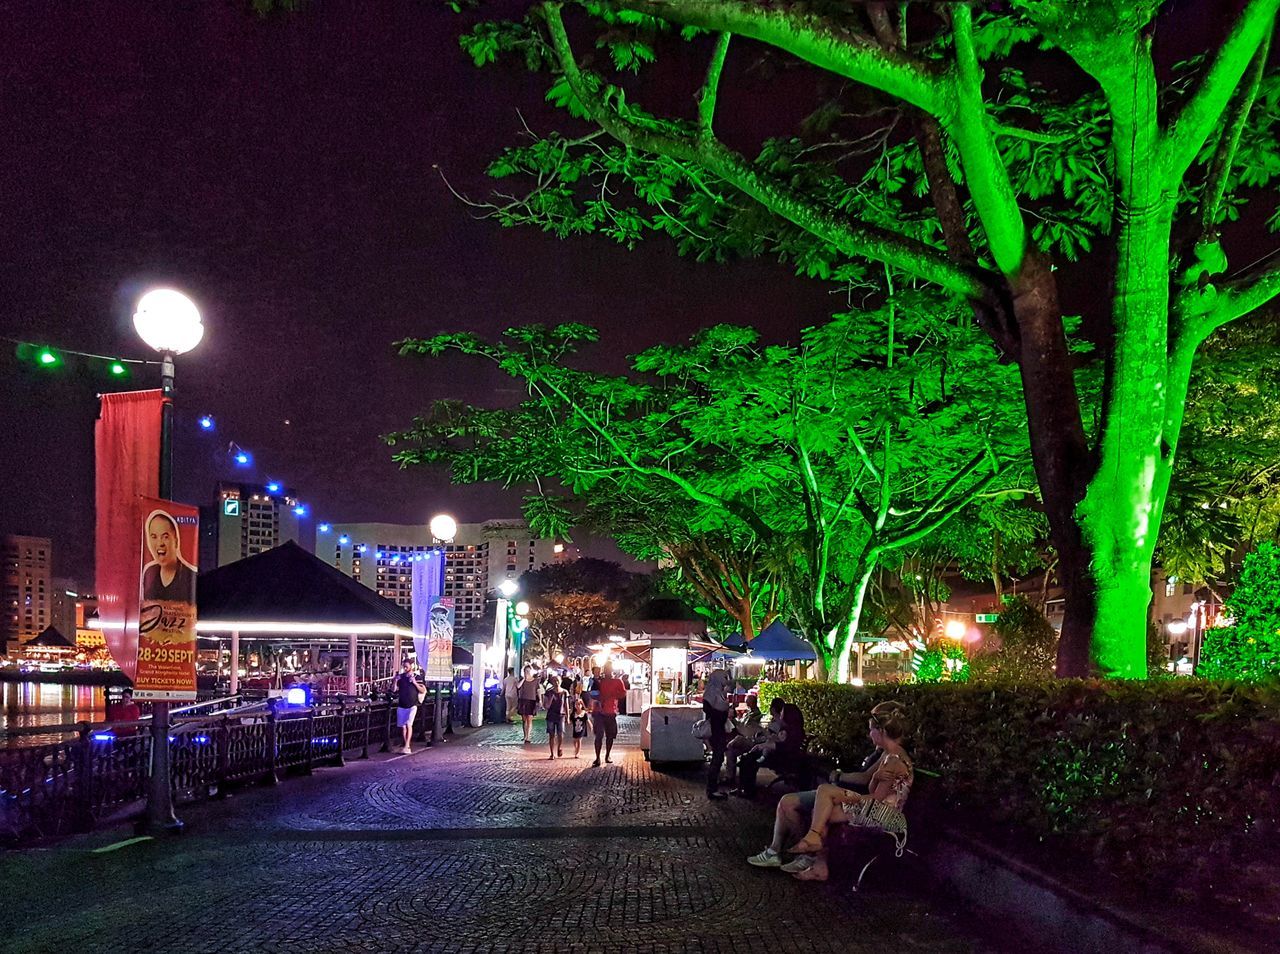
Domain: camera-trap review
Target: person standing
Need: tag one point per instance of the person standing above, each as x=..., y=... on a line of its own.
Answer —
x=580, y=721
x=509, y=695
x=527, y=701
x=715, y=709
x=409, y=691
x=609, y=691
x=124, y=710
x=553, y=702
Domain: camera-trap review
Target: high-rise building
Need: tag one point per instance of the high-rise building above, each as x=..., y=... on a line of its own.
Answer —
x=246, y=519
x=480, y=556
x=26, y=588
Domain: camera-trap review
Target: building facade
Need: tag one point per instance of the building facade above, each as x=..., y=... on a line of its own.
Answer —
x=480, y=556
x=247, y=519
x=26, y=588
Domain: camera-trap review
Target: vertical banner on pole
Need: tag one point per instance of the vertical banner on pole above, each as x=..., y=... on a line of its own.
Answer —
x=433, y=618
x=166, y=667
x=127, y=450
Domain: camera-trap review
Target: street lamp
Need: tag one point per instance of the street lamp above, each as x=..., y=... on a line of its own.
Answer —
x=169, y=322
x=443, y=528
x=508, y=588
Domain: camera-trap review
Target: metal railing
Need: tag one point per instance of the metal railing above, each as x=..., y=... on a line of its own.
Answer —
x=101, y=772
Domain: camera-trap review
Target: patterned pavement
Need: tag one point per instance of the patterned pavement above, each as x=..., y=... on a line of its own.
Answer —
x=477, y=845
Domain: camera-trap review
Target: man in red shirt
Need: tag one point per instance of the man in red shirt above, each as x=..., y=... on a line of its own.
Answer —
x=608, y=691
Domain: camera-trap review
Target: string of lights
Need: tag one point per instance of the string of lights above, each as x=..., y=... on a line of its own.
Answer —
x=50, y=357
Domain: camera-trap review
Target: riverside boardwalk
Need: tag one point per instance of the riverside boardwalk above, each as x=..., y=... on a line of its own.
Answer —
x=480, y=844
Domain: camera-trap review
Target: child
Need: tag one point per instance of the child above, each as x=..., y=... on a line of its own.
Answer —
x=580, y=722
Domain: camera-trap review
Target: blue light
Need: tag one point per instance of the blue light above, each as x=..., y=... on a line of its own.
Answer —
x=466, y=685
x=381, y=554
x=395, y=559
x=344, y=539
x=206, y=423
x=242, y=459
x=300, y=510
x=200, y=739
x=104, y=736
x=362, y=548
x=297, y=696
x=491, y=682
x=323, y=528
x=273, y=487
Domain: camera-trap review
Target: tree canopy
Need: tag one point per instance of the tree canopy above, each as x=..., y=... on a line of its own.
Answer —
x=976, y=152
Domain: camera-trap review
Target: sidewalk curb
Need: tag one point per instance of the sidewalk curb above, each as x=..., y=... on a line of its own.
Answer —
x=1034, y=906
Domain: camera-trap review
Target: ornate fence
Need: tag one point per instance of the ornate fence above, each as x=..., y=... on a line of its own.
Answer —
x=103, y=771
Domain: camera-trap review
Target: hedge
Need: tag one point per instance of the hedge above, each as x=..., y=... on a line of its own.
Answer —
x=1176, y=779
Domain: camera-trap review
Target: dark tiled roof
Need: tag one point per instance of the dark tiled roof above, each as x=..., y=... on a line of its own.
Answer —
x=50, y=636
x=289, y=585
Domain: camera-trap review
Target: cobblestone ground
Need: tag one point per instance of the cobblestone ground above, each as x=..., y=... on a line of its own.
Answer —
x=477, y=845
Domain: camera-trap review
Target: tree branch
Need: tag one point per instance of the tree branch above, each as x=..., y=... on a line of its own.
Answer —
x=1224, y=156
x=711, y=86
x=1196, y=120
x=852, y=239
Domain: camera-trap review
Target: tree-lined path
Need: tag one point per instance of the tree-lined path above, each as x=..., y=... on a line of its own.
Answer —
x=480, y=844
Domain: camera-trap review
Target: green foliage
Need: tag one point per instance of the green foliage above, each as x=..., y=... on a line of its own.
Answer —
x=1027, y=645
x=774, y=468
x=1170, y=782
x=1249, y=649
x=944, y=663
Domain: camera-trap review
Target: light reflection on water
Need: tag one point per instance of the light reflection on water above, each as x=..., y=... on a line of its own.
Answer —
x=24, y=704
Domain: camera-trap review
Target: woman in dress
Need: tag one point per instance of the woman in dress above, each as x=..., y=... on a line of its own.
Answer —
x=527, y=701
x=888, y=784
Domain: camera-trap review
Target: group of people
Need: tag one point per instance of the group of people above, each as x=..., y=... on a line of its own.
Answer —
x=745, y=743
x=585, y=705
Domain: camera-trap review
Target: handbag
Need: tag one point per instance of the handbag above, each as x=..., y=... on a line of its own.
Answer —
x=702, y=730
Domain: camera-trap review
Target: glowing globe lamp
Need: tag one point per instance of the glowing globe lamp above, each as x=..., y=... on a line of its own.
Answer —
x=297, y=696
x=443, y=527
x=168, y=321
x=508, y=588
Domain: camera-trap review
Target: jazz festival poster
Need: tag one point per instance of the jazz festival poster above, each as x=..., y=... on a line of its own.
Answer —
x=167, y=588
x=433, y=618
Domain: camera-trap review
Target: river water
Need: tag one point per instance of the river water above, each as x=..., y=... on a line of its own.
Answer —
x=24, y=704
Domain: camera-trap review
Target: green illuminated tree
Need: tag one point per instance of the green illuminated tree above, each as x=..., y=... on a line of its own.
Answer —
x=978, y=154
x=826, y=458
x=1250, y=648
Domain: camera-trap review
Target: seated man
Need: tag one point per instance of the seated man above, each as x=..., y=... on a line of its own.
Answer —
x=785, y=751
x=747, y=733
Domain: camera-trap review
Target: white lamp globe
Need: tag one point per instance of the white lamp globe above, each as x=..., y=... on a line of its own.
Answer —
x=443, y=527
x=168, y=321
x=522, y=608
x=508, y=588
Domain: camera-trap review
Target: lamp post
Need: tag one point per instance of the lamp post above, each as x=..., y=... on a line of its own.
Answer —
x=443, y=529
x=506, y=590
x=169, y=322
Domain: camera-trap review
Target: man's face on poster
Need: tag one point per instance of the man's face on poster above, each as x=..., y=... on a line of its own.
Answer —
x=162, y=541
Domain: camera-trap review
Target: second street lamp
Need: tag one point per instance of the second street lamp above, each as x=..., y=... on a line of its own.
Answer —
x=169, y=322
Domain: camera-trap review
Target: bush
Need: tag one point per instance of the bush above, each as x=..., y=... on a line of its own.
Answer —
x=1250, y=649
x=1167, y=780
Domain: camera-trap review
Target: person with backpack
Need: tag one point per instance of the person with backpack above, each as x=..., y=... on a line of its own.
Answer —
x=410, y=691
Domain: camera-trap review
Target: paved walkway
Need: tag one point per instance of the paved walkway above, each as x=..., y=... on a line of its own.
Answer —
x=479, y=844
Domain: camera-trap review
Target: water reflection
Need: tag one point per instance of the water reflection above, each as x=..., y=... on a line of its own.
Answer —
x=34, y=704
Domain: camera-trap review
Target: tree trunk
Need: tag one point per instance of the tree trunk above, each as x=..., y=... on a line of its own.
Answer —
x=845, y=642
x=1059, y=449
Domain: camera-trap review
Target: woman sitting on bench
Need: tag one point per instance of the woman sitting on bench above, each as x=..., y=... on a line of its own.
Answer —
x=888, y=785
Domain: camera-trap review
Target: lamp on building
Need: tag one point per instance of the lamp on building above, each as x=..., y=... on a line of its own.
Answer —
x=169, y=322
x=443, y=528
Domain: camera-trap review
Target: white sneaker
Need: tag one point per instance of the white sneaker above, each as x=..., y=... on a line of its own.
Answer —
x=799, y=863
x=408, y=751
x=766, y=859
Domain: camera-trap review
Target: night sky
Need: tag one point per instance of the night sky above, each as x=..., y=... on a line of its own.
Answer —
x=281, y=172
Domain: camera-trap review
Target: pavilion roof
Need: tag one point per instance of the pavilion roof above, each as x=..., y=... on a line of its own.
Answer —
x=52, y=637
x=287, y=590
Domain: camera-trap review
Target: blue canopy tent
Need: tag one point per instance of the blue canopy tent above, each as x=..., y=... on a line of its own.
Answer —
x=779, y=644
x=734, y=641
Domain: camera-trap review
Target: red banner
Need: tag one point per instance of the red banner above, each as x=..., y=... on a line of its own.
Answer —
x=127, y=441
x=167, y=595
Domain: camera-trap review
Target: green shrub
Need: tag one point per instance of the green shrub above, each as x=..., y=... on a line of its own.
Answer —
x=1250, y=649
x=1171, y=780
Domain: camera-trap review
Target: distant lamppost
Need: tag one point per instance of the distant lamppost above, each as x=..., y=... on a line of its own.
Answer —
x=506, y=590
x=443, y=529
x=169, y=322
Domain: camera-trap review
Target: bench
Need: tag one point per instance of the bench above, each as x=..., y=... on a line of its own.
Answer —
x=880, y=845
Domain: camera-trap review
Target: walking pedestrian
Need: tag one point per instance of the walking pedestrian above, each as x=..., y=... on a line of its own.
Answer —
x=715, y=708
x=509, y=695
x=609, y=691
x=553, y=702
x=409, y=692
x=527, y=701
x=580, y=721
